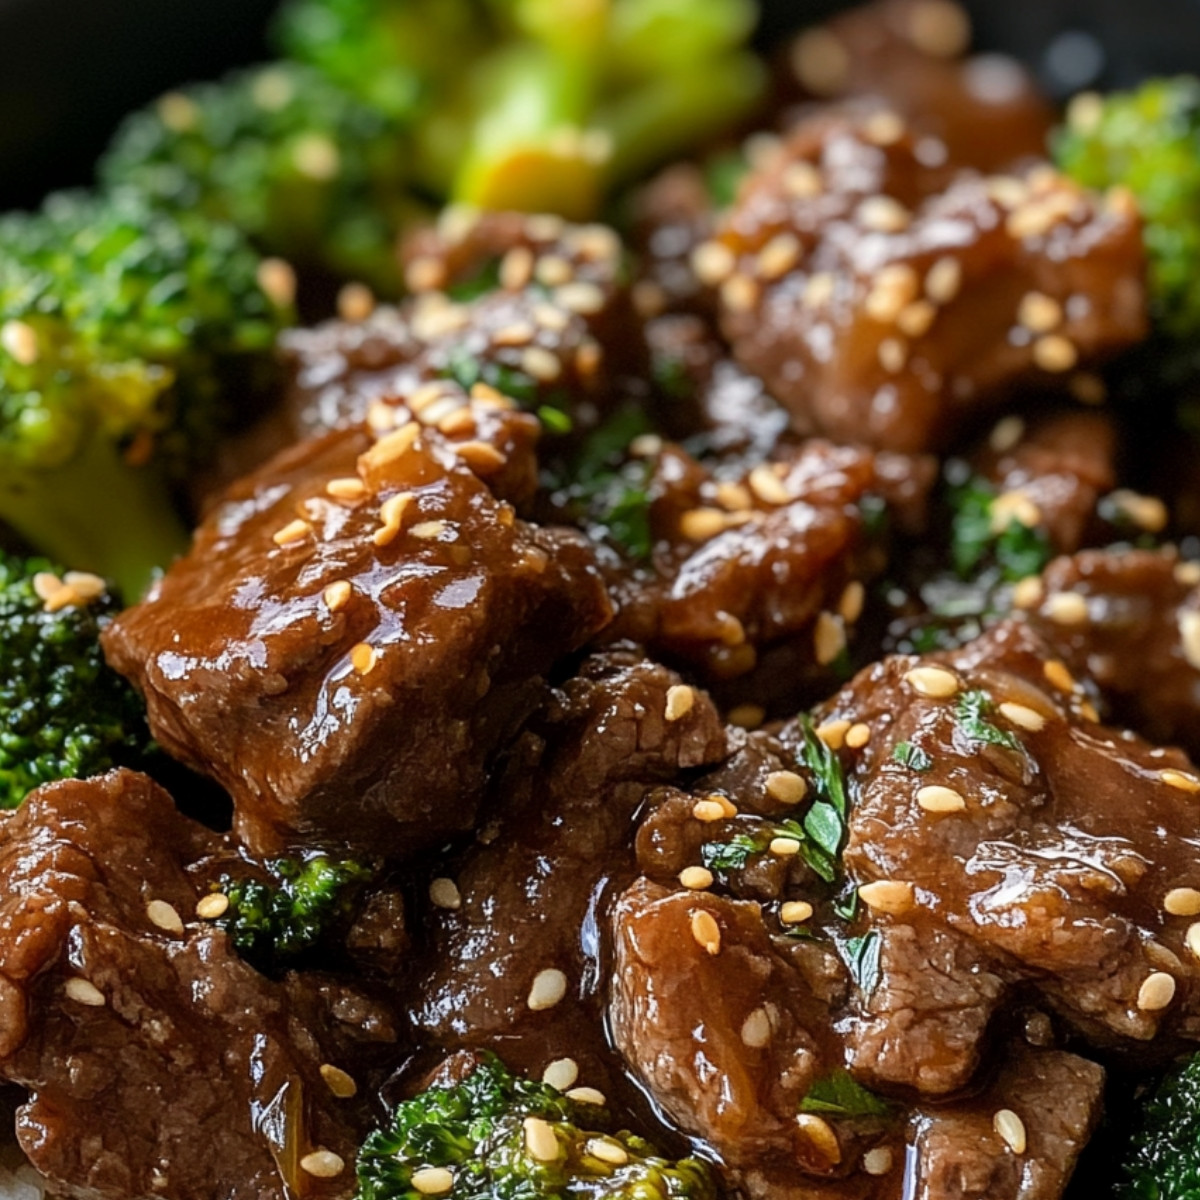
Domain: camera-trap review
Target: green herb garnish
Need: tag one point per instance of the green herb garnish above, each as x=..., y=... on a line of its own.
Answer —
x=839, y=1094
x=912, y=757
x=972, y=712
x=861, y=955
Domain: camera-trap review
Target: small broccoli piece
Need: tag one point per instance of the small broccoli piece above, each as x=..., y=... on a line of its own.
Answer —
x=1162, y=1158
x=129, y=340
x=271, y=922
x=499, y=1135
x=299, y=165
x=1148, y=141
x=63, y=713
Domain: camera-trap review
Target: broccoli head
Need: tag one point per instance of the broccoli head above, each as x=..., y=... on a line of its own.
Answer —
x=63, y=713
x=129, y=340
x=1162, y=1159
x=495, y=1134
x=298, y=164
x=1148, y=141
x=274, y=921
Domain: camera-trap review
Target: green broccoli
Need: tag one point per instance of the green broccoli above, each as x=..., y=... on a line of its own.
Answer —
x=129, y=339
x=495, y=1134
x=272, y=922
x=1148, y=141
x=531, y=104
x=299, y=165
x=1162, y=1158
x=63, y=713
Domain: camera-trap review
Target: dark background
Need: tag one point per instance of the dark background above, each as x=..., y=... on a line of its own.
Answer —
x=69, y=69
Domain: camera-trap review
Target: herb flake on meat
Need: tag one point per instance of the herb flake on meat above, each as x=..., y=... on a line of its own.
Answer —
x=839, y=1094
x=912, y=757
x=861, y=955
x=972, y=711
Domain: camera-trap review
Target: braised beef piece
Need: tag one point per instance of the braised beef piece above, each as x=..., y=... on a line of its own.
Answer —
x=356, y=631
x=987, y=111
x=885, y=299
x=513, y=960
x=157, y=1063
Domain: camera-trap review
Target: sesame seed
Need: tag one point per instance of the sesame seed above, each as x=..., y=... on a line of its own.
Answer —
x=1058, y=676
x=324, y=1164
x=355, y=302
x=1087, y=710
x=588, y=358
x=338, y=1081
x=545, y=227
x=444, y=893
x=727, y=805
x=516, y=268
x=1189, y=637
x=767, y=486
x=433, y=1181
x=713, y=263
x=1066, y=608
x=708, y=811
x=747, y=716
x=1187, y=573
x=882, y=214
x=1157, y=991
x=83, y=991
x=701, y=524
x=607, y=1151
x=482, y=457
x=883, y=129
x=739, y=293
x=213, y=906
x=850, y=606
x=548, y=988
x=1039, y=313
x=391, y=516
x=756, y=1029
x=1085, y=112
x=696, y=879
x=1192, y=938
x=1006, y=434
x=786, y=787
x=944, y=280
x=47, y=585
x=294, y=531
x=561, y=1074
x=540, y=364
x=819, y=289
x=801, y=181
x=277, y=280
x=935, y=682
x=363, y=658
x=346, y=489
x=833, y=733
x=581, y=297
x=877, y=1161
x=1011, y=1129
x=553, y=270
x=596, y=243
x=1023, y=716
x=1182, y=780
x=893, y=355
x=540, y=1140
x=821, y=1137
x=520, y=333
x=778, y=256
x=551, y=318
x=390, y=447
x=649, y=299
x=587, y=1095
x=705, y=931
x=820, y=62
x=1182, y=902
x=85, y=585
x=829, y=637
x=681, y=699
x=793, y=912
x=1147, y=512
x=940, y=29
x=425, y=275
x=916, y=319
x=784, y=847
x=164, y=916
x=858, y=735
x=1055, y=353
x=428, y=530
x=427, y=394
x=1007, y=192
x=894, y=896
x=1028, y=592
x=937, y=799
x=895, y=286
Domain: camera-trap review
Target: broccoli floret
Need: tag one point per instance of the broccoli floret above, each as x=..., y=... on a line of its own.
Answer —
x=271, y=922
x=1162, y=1159
x=63, y=713
x=531, y=104
x=299, y=165
x=1148, y=141
x=129, y=339
x=499, y=1135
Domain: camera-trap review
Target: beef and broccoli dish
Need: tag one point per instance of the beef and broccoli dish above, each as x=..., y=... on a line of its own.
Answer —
x=588, y=615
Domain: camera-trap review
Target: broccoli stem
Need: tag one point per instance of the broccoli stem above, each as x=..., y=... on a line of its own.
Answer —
x=96, y=513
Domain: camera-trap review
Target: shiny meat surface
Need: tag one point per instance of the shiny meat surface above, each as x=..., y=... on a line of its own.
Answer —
x=358, y=628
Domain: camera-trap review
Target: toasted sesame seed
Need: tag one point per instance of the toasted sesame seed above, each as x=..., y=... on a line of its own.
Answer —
x=516, y=268
x=1192, y=939
x=1010, y=506
x=767, y=486
x=833, y=733
x=552, y=270
x=801, y=181
x=756, y=1029
x=784, y=847
x=739, y=293
x=1189, y=636
x=482, y=457
x=346, y=489
x=893, y=355
x=1066, y=608
x=708, y=811
x=390, y=447
x=545, y=227
x=433, y=1181
x=520, y=333
x=1039, y=313
x=883, y=128
x=1087, y=710
x=277, y=280
x=337, y=595
x=540, y=1140
x=581, y=297
x=894, y=896
x=83, y=991
x=747, y=716
x=939, y=28
x=705, y=931
x=324, y=1164
x=444, y=893
x=934, y=682
x=829, y=637
x=608, y=1151
x=713, y=263
x=588, y=358
x=1023, y=716
x=696, y=879
x=882, y=214
x=1006, y=434
x=894, y=287
x=294, y=531
x=85, y=585
x=164, y=916
x=1147, y=512
x=561, y=1074
x=916, y=319
x=937, y=799
x=540, y=364
x=1058, y=676
x=425, y=275
x=355, y=302
x=944, y=280
x=1182, y=780
x=363, y=658
x=820, y=62
x=793, y=912
x=47, y=585
x=681, y=699
x=391, y=516
x=1157, y=991
x=1182, y=902
x=820, y=1136
x=858, y=735
x=701, y=524
x=1011, y=1129
x=338, y=1081
x=210, y=907
x=1187, y=573
x=778, y=256
x=1085, y=111
x=1055, y=353
x=877, y=1161
x=587, y=1095
x=787, y=787
x=1028, y=592
x=548, y=988
x=819, y=289
x=428, y=530
x=850, y=606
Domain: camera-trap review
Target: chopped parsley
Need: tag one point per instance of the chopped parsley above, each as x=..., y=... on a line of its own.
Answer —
x=912, y=757
x=839, y=1094
x=861, y=955
x=972, y=712
x=1017, y=551
x=732, y=855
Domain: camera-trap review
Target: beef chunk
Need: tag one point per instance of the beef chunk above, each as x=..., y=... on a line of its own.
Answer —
x=986, y=112
x=1136, y=634
x=523, y=901
x=884, y=301
x=157, y=1063
x=358, y=628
